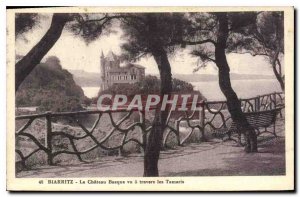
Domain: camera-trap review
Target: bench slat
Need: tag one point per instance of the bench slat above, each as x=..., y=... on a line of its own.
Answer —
x=255, y=119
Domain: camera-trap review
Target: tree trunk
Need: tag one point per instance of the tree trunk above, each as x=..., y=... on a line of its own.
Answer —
x=275, y=62
x=279, y=38
x=159, y=124
x=234, y=104
x=278, y=75
x=36, y=54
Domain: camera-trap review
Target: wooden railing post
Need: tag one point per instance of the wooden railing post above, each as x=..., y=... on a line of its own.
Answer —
x=49, y=138
x=143, y=128
x=274, y=98
x=202, y=121
x=257, y=103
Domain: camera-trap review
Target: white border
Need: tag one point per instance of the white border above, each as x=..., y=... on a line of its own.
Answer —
x=3, y=4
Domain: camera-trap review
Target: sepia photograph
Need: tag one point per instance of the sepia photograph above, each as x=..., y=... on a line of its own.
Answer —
x=140, y=99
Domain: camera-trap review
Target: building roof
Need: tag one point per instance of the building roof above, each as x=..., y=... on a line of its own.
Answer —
x=111, y=56
x=126, y=68
x=129, y=65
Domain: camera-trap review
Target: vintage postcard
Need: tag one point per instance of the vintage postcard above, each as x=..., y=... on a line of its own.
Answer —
x=150, y=99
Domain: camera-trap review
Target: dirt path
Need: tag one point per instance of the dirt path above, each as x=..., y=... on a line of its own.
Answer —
x=205, y=159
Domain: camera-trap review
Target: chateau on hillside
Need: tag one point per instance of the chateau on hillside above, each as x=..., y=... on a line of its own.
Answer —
x=113, y=73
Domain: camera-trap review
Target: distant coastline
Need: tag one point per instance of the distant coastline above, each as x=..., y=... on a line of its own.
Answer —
x=89, y=79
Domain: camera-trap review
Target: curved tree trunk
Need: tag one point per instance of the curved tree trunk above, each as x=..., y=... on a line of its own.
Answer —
x=36, y=54
x=234, y=105
x=278, y=75
x=279, y=38
x=159, y=123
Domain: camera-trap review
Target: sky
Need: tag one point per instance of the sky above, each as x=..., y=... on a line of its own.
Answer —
x=75, y=54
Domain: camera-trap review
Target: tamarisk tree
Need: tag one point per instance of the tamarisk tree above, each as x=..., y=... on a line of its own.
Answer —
x=264, y=38
x=153, y=34
x=147, y=34
x=210, y=34
x=87, y=26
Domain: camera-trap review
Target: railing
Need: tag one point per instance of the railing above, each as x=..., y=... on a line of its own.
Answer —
x=217, y=115
x=133, y=126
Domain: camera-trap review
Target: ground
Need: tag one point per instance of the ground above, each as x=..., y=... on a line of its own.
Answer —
x=213, y=158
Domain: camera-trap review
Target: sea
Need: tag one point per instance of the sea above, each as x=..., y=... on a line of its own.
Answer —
x=211, y=89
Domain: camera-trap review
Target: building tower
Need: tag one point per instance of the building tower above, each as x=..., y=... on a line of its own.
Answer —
x=112, y=73
x=102, y=70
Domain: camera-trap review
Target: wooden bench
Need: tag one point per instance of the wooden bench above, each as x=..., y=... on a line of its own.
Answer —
x=257, y=120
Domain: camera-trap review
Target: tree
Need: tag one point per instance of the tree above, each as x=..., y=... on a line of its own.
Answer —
x=234, y=105
x=87, y=26
x=265, y=38
x=147, y=34
x=210, y=33
x=153, y=34
x=35, y=55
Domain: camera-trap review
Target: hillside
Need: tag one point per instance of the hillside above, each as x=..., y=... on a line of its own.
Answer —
x=49, y=87
x=86, y=79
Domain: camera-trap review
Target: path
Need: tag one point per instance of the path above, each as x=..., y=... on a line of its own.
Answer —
x=204, y=159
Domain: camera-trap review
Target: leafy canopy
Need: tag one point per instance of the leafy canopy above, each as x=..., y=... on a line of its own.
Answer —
x=145, y=32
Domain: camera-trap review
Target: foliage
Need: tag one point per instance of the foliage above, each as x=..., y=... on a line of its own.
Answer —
x=145, y=32
x=89, y=27
x=204, y=29
x=25, y=22
x=51, y=88
x=264, y=37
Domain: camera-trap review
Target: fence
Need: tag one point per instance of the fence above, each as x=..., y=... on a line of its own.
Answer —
x=131, y=127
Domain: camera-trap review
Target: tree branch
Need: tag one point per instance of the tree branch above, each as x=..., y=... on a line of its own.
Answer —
x=187, y=42
x=35, y=55
x=199, y=42
x=248, y=52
